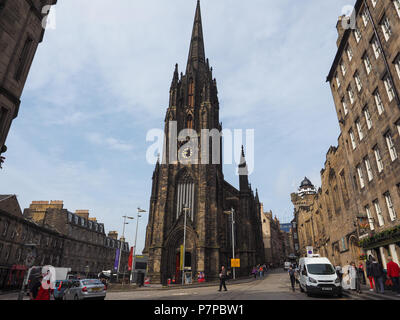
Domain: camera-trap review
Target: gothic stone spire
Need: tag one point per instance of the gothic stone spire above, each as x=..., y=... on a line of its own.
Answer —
x=197, y=56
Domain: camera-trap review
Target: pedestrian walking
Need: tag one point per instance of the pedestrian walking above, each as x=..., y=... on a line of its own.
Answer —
x=339, y=273
x=362, y=273
x=377, y=273
x=260, y=272
x=35, y=286
x=355, y=278
x=263, y=270
x=44, y=293
x=346, y=279
x=369, y=273
x=222, y=279
x=393, y=273
x=292, y=275
x=254, y=272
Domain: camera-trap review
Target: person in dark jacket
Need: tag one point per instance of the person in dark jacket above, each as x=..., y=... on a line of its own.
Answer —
x=377, y=273
x=222, y=279
x=369, y=273
x=35, y=287
x=292, y=275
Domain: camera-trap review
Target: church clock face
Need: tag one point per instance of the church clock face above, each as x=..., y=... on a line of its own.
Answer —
x=187, y=153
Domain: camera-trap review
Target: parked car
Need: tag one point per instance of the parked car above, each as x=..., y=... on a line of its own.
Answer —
x=85, y=289
x=59, y=289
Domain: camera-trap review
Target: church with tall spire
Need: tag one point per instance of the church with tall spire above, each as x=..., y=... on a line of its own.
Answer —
x=198, y=190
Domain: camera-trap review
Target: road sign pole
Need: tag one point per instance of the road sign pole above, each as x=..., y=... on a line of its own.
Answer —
x=233, y=241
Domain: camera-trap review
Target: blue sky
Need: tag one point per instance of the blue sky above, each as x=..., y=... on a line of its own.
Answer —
x=100, y=81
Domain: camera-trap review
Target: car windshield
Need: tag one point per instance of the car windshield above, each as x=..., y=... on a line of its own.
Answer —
x=91, y=282
x=320, y=269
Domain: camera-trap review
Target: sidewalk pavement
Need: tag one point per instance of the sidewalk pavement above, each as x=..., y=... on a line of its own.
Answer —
x=366, y=294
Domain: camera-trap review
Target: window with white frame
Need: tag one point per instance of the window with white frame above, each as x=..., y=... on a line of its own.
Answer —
x=391, y=147
x=368, y=118
x=397, y=6
x=376, y=47
x=369, y=169
x=389, y=87
x=386, y=28
x=357, y=35
x=343, y=68
x=337, y=80
x=358, y=81
x=359, y=129
x=378, y=211
x=370, y=218
x=389, y=203
x=365, y=17
x=398, y=126
x=344, y=104
x=378, y=157
x=349, y=52
x=397, y=64
x=378, y=102
x=361, y=176
x=367, y=63
x=351, y=94
x=353, y=139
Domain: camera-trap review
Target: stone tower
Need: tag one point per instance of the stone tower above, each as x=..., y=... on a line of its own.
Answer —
x=21, y=31
x=182, y=181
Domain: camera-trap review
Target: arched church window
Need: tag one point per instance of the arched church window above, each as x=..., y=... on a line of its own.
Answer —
x=185, y=197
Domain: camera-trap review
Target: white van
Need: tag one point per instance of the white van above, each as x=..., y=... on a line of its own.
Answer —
x=318, y=276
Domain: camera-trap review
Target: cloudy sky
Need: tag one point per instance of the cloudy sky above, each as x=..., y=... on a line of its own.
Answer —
x=100, y=81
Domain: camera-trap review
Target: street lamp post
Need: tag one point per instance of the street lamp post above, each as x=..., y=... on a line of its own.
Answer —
x=232, y=212
x=134, y=248
x=120, y=248
x=185, y=209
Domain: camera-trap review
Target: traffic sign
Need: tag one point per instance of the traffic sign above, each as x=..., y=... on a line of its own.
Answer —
x=235, y=263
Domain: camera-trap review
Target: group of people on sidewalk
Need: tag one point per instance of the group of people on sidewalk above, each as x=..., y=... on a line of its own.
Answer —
x=259, y=271
x=352, y=277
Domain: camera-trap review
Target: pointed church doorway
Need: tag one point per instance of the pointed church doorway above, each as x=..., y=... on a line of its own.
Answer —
x=188, y=265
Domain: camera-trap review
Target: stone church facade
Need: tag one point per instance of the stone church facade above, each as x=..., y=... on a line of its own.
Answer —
x=198, y=189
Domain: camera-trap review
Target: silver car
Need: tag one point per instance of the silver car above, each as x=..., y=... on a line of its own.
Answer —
x=85, y=289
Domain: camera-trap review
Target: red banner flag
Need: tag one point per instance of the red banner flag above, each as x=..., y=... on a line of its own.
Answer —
x=130, y=261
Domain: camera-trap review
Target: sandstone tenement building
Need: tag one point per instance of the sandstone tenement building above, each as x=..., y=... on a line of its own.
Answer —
x=21, y=31
x=278, y=244
x=201, y=187
x=62, y=239
x=356, y=210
